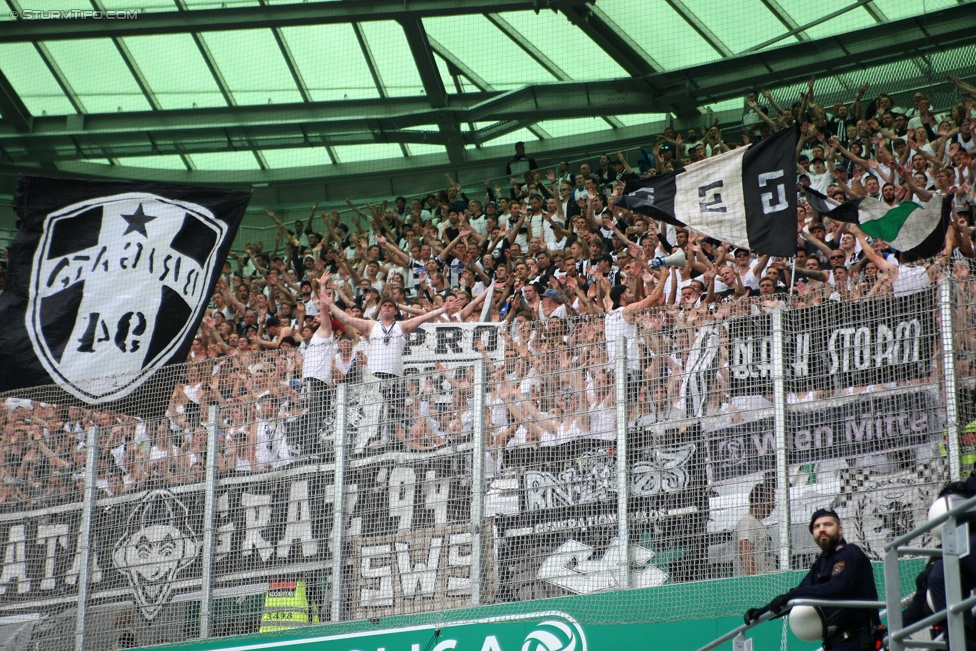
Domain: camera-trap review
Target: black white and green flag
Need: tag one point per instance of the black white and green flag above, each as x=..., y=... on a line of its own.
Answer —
x=909, y=227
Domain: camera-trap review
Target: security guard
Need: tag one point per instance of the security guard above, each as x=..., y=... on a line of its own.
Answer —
x=842, y=571
x=285, y=606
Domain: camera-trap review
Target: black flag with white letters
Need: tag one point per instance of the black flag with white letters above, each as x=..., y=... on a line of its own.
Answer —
x=108, y=281
x=746, y=196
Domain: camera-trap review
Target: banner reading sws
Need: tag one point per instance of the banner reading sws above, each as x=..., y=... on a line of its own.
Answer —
x=108, y=282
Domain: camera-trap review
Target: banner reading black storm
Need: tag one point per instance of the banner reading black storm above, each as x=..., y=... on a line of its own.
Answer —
x=837, y=345
x=108, y=282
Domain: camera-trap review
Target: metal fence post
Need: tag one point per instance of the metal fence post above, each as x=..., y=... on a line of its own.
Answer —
x=623, y=533
x=88, y=507
x=779, y=430
x=955, y=544
x=947, y=314
x=477, y=479
x=893, y=597
x=209, y=499
x=338, y=518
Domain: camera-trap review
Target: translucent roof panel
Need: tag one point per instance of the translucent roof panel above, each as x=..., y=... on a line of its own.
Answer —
x=394, y=62
x=331, y=62
x=804, y=12
x=641, y=118
x=142, y=5
x=231, y=160
x=175, y=71
x=252, y=66
x=565, y=45
x=98, y=74
x=488, y=52
x=33, y=81
x=359, y=153
x=515, y=136
x=154, y=162
x=898, y=9
x=668, y=39
x=298, y=157
x=558, y=128
x=420, y=149
x=218, y=4
x=737, y=25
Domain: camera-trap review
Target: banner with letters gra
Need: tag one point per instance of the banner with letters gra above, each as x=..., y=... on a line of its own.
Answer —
x=147, y=547
x=836, y=345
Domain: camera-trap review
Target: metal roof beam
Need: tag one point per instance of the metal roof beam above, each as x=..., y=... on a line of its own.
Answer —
x=549, y=101
x=259, y=17
x=430, y=77
x=857, y=52
x=12, y=108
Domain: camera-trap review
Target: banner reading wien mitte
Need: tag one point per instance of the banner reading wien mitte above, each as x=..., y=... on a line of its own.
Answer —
x=746, y=197
x=108, y=282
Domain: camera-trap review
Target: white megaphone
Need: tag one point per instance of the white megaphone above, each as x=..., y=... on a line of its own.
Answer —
x=676, y=259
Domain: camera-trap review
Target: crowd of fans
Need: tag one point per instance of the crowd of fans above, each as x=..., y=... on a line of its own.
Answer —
x=552, y=259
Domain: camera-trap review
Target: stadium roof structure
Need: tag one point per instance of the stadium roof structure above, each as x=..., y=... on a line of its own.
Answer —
x=279, y=92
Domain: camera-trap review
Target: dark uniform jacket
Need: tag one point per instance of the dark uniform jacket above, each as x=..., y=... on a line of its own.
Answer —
x=843, y=574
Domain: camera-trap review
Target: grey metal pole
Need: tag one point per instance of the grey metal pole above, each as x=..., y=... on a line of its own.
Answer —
x=209, y=500
x=947, y=314
x=779, y=430
x=338, y=519
x=478, y=479
x=893, y=598
x=623, y=533
x=955, y=543
x=88, y=507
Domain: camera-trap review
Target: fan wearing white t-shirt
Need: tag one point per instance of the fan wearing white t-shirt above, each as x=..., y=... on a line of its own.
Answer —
x=387, y=340
x=317, y=370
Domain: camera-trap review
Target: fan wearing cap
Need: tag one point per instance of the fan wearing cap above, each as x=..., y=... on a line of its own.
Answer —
x=387, y=339
x=551, y=306
x=843, y=572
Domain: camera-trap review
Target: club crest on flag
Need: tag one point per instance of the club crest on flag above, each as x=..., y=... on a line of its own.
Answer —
x=116, y=283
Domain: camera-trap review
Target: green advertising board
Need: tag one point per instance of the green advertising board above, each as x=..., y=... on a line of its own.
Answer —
x=530, y=631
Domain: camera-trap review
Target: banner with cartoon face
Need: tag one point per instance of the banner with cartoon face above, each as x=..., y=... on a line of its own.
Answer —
x=108, y=282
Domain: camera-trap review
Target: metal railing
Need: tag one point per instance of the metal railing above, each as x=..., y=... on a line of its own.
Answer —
x=955, y=537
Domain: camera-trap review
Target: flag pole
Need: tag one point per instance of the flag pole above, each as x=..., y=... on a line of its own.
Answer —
x=792, y=278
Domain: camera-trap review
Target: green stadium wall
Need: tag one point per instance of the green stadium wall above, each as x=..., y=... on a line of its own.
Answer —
x=674, y=617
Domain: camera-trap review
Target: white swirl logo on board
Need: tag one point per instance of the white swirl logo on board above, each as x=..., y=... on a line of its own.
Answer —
x=554, y=635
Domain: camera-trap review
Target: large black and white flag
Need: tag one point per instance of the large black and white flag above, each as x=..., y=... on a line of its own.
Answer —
x=746, y=196
x=108, y=281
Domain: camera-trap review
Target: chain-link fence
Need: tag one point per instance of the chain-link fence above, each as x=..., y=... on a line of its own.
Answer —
x=543, y=457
